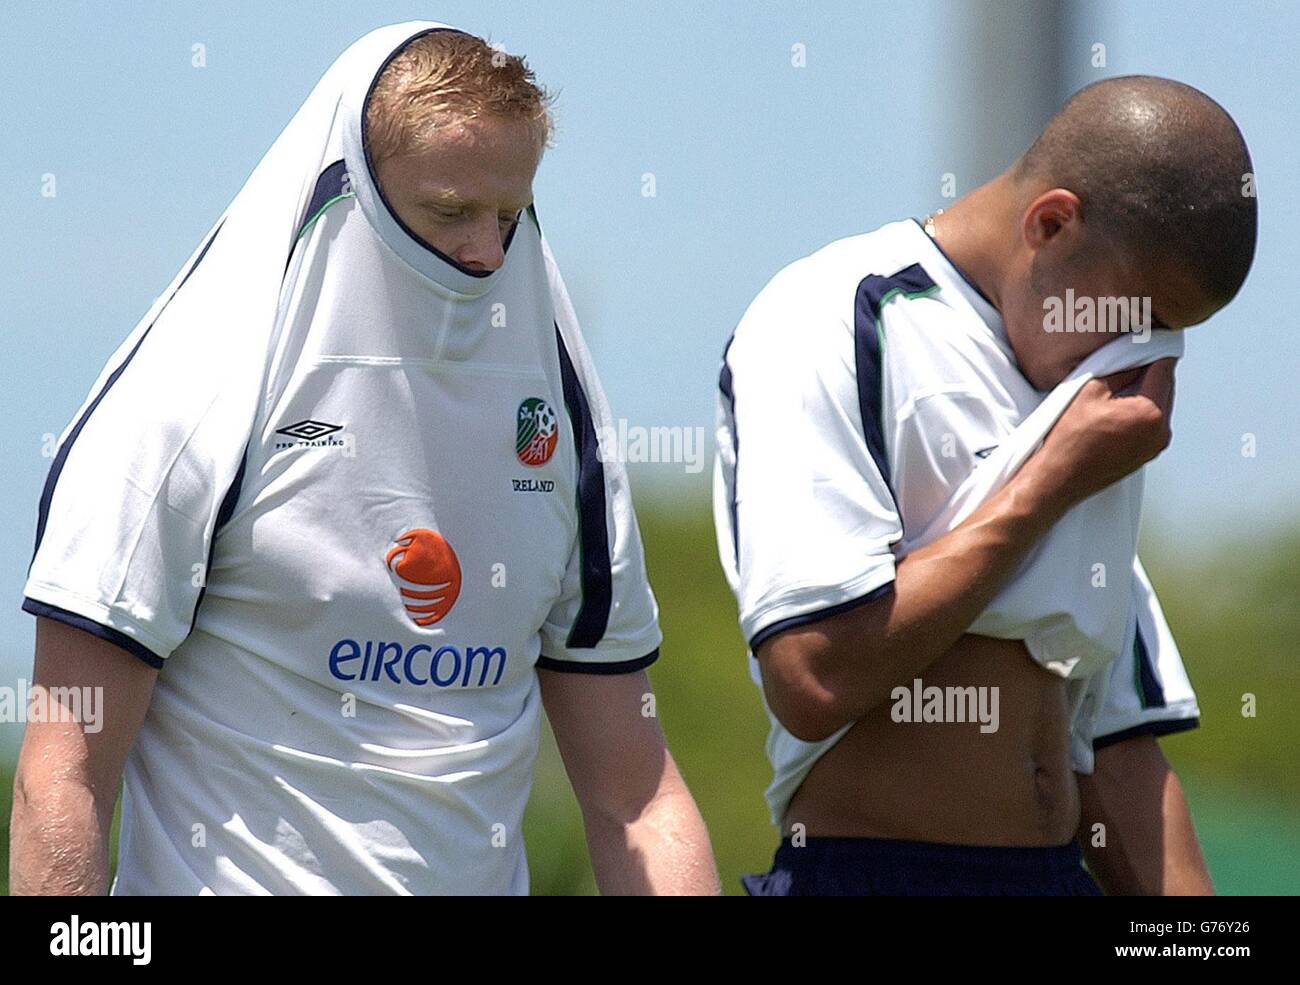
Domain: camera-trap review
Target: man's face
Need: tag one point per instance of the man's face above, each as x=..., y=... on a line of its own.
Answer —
x=464, y=191
x=1153, y=296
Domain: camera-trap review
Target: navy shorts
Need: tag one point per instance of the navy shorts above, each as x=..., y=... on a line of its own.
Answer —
x=890, y=867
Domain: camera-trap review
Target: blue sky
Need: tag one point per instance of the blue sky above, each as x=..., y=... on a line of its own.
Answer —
x=756, y=163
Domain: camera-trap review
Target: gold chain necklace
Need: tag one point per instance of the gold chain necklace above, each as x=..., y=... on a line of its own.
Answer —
x=928, y=223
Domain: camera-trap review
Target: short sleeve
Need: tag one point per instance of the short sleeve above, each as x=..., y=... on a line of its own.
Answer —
x=137, y=487
x=606, y=620
x=1147, y=689
x=805, y=517
x=1144, y=691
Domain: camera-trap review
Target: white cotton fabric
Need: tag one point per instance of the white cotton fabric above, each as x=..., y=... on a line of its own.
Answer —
x=808, y=523
x=1072, y=598
x=306, y=734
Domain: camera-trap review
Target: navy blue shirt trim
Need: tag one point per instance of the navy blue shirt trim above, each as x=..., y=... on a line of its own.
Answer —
x=725, y=385
x=107, y=633
x=873, y=290
x=953, y=263
x=810, y=617
x=1167, y=727
x=583, y=667
x=329, y=186
x=370, y=166
x=1153, y=695
x=224, y=512
x=56, y=467
x=596, y=565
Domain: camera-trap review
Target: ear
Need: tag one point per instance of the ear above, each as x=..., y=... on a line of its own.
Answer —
x=1053, y=214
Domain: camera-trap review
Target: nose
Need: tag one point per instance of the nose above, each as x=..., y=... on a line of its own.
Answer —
x=482, y=250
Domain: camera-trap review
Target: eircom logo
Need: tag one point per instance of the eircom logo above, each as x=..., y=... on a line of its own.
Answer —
x=421, y=664
x=427, y=573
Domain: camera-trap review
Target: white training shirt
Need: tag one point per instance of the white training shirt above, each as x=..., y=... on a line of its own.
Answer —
x=1072, y=597
x=348, y=506
x=861, y=387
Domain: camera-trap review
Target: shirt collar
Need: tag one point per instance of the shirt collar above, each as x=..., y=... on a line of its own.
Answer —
x=952, y=277
x=419, y=255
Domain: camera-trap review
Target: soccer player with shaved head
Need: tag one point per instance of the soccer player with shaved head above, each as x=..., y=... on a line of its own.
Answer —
x=331, y=531
x=874, y=384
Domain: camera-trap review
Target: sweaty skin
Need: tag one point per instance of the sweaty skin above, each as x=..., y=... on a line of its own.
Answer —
x=950, y=782
x=465, y=187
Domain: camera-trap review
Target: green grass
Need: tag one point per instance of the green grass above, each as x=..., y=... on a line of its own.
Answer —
x=1236, y=617
x=709, y=709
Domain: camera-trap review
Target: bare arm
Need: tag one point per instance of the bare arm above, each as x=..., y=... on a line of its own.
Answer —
x=68, y=776
x=1150, y=844
x=644, y=831
x=828, y=673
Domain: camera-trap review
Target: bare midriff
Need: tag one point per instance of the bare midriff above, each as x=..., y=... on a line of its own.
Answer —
x=951, y=782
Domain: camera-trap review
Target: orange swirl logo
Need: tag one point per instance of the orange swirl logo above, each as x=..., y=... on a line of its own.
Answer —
x=427, y=572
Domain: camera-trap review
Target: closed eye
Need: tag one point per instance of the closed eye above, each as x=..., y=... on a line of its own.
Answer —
x=445, y=213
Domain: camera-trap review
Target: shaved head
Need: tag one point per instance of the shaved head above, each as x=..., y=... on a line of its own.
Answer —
x=1162, y=173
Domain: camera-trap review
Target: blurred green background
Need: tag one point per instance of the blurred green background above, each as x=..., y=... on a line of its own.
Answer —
x=759, y=162
x=1235, y=613
x=1236, y=618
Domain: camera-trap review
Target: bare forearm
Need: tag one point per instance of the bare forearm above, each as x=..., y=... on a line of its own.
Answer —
x=821, y=676
x=943, y=587
x=58, y=842
x=663, y=851
x=939, y=590
x=1135, y=825
x=70, y=770
x=1184, y=870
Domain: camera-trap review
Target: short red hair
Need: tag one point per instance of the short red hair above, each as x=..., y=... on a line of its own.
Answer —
x=450, y=77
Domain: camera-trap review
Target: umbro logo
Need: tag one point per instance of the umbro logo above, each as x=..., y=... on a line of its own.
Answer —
x=309, y=430
x=314, y=434
x=985, y=452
